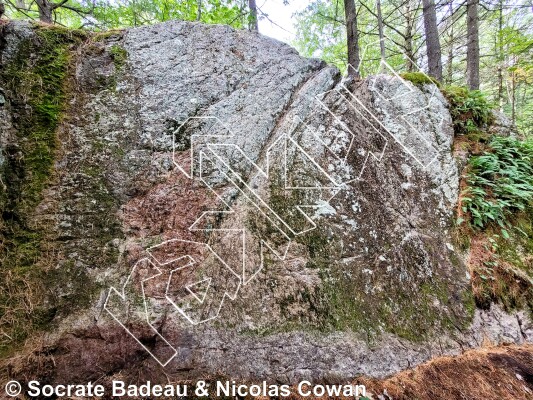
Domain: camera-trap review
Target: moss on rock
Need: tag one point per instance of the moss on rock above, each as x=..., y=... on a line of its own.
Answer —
x=470, y=110
x=419, y=79
x=119, y=55
x=36, y=84
x=349, y=299
x=502, y=270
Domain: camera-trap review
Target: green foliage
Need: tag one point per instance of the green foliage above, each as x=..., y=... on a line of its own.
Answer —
x=500, y=182
x=112, y=14
x=109, y=14
x=469, y=109
x=506, y=73
x=419, y=79
x=319, y=35
x=321, y=32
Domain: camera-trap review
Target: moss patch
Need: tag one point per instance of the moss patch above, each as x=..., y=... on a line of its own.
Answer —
x=119, y=55
x=419, y=79
x=415, y=312
x=105, y=35
x=502, y=267
x=470, y=110
x=353, y=298
x=35, y=82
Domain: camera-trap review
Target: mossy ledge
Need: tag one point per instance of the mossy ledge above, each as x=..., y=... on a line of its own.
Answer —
x=36, y=84
x=419, y=79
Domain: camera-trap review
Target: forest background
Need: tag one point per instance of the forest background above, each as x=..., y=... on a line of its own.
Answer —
x=482, y=44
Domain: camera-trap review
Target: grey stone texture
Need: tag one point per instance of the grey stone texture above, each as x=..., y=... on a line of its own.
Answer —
x=378, y=286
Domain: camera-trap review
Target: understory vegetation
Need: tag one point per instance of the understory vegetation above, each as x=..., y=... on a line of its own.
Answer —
x=499, y=183
x=470, y=110
x=495, y=213
x=498, y=178
x=497, y=203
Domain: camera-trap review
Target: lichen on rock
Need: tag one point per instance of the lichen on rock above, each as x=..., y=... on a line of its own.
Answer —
x=364, y=268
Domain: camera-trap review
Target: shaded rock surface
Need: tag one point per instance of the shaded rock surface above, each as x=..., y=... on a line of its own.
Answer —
x=502, y=125
x=258, y=216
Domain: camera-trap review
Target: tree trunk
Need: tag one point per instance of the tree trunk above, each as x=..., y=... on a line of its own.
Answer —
x=2, y=8
x=513, y=97
x=45, y=10
x=472, y=45
x=380, y=30
x=252, y=24
x=199, y=11
x=501, y=56
x=432, y=39
x=408, y=36
x=134, y=10
x=450, y=46
x=352, y=38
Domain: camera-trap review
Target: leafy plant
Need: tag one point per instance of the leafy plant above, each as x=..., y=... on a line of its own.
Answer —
x=469, y=109
x=499, y=182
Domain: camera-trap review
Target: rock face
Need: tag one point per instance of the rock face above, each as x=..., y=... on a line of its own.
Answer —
x=502, y=125
x=255, y=215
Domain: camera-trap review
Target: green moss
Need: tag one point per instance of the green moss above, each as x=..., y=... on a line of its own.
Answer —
x=39, y=85
x=419, y=79
x=513, y=266
x=36, y=84
x=119, y=55
x=470, y=110
x=346, y=300
x=469, y=302
x=405, y=311
x=103, y=36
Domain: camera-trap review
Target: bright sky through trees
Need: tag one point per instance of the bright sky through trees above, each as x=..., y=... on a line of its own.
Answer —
x=280, y=23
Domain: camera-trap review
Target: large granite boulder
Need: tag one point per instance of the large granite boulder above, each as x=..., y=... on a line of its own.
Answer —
x=212, y=203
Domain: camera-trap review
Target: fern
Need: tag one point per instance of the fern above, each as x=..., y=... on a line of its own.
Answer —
x=469, y=109
x=499, y=182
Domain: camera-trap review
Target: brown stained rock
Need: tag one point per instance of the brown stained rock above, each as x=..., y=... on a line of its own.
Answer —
x=375, y=288
x=167, y=209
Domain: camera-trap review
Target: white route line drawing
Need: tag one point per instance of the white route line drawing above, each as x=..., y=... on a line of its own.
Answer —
x=123, y=298
x=213, y=154
x=167, y=269
x=378, y=156
x=196, y=300
x=412, y=141
x=173, y=299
